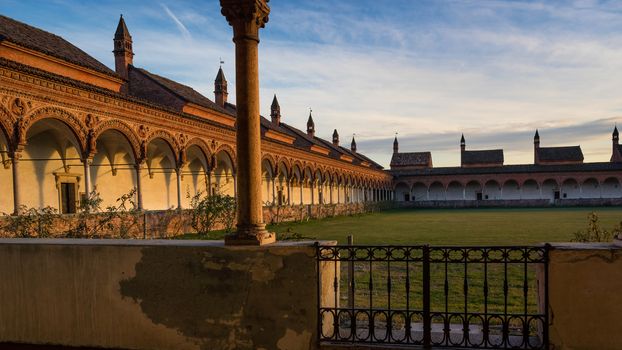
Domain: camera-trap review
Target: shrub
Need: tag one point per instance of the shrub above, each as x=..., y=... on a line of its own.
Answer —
x=31, y=222
x=207, y=211
x=593, y=232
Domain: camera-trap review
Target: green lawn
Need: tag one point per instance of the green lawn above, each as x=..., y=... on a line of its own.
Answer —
x=455, y=226
x=449, y=227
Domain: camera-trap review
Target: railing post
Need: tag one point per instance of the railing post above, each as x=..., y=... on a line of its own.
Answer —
x=351, y=274
x=545, y=331
x=427, y=320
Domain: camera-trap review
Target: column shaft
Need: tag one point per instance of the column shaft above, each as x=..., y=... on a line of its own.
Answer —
x=87, y=177
x=139, y=191
x=178, y=171
x=16, y=193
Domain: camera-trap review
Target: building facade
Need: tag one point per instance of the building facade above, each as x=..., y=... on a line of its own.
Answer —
x=558, y=176
x=69, y=125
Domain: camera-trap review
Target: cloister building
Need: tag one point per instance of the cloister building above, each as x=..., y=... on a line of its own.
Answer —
x=557, y=176
x=70, y=125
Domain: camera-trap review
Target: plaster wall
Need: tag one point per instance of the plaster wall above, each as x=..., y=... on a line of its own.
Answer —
x=159, y=294
x=585, y=281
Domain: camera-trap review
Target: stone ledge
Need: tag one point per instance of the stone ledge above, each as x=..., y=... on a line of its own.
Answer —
x=585, y=246
x=148, y=242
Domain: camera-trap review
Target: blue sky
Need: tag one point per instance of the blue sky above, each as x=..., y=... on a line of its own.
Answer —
x=429, y=70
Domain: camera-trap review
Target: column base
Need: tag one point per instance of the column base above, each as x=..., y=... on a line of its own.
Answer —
x=251, y=235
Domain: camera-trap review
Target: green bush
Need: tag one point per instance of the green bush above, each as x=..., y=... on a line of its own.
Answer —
x=595, y=233
x=208, y=211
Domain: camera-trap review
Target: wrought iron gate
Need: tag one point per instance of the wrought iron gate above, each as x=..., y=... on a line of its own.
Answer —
x=434, y=296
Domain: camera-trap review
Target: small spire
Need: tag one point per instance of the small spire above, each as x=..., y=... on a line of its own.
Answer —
x=122, y=31
x=275, y=103
x=123, y=52
x=220, y=77
x=395, y=144
x=335, y=138
x=615, y=131
x=310, y=125
x=536, y=137
x=353, y=144
x=462, y=142
x=275, y=111
x=220, y=88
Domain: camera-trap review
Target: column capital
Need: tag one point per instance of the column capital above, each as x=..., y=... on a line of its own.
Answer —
x=246, y=17
x=15, y=155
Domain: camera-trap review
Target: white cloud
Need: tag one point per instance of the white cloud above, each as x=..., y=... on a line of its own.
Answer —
x=182, y=28
x=477, y=70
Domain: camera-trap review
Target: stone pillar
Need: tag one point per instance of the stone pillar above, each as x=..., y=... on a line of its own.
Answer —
x=274, y=201
x=178, y=171
x=338, y=194
x=330, y=188
x=139, y=191
x=289, y=191
x=301, y=189
x=247, y=17
x=87, y=176
x=312, y=192
x=17, y=202
x=209, y=182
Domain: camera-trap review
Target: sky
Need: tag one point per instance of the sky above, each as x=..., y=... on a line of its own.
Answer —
x=428, y=70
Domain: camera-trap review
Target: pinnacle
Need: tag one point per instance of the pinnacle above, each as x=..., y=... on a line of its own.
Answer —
x=122, y=31
x=220, y=77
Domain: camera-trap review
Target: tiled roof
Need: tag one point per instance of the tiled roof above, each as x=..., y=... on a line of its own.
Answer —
x=184, y=92
x=492, y=156
x=50, y=44
x=508, y=169
x=411, y=159
x=106, y=92
x=560, y=154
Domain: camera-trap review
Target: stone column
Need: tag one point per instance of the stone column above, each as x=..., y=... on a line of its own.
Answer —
x=289, y=191
x=301, y=189
x=247, y=17
x=312, y=193
x=17, y=202
x=274, y=201
x=139, y=191
x=87, y=176
x=338, y=194
x=330, y=188
x=178, y=171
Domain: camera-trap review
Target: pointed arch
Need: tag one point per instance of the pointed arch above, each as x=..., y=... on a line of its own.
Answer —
x=77, y=127
x=123, y=129
x=270, y=159
x=202, y=145
x=167, y=138
x=230, y=152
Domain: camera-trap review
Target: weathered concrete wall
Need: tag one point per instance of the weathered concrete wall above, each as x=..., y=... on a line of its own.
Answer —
x=585, y=296
x=158, y=294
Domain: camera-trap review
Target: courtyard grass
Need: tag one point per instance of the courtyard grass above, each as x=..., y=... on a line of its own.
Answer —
x=522, y=226
x=455, y=227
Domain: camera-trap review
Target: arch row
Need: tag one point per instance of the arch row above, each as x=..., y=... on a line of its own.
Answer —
x=544, y=188
x=114, y=156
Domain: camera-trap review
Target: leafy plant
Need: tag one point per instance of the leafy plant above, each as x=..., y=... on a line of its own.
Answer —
x=593, y=232
x=208, y=211
x=31, y=222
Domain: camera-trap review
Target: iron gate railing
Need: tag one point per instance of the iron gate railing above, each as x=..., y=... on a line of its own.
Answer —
x=434, y=296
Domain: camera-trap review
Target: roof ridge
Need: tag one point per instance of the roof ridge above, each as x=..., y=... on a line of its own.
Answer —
x=67, y=47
